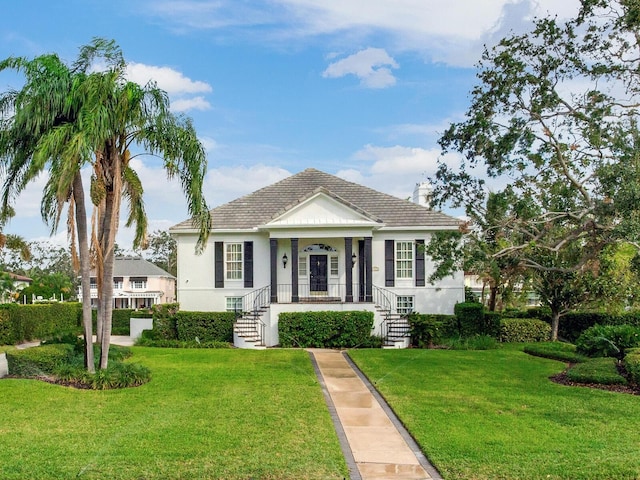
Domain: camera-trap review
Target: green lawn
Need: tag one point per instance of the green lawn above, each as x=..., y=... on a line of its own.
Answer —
x=205, y=414
x=495, y=415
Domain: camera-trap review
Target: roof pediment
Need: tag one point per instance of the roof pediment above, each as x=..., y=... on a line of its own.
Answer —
x=321, y=208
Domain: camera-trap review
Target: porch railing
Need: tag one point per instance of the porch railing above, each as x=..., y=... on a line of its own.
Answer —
x=253, y=301
x=333, y=293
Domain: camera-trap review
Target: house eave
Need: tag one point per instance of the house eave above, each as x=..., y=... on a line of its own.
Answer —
x=420, y=228
x=321, y=225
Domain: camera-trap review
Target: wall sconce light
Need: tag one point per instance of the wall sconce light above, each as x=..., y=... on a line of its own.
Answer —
x=353, y=260
x=285, y=259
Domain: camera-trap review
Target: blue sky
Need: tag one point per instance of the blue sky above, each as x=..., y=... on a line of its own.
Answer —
x=358, y=88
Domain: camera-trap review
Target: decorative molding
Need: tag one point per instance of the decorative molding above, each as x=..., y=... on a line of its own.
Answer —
x=319, y=247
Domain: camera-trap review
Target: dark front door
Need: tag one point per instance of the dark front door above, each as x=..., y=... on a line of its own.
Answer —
x=318, y=273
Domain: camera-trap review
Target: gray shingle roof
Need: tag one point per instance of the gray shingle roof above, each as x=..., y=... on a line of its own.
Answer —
x=137, y=267
x=262, y=206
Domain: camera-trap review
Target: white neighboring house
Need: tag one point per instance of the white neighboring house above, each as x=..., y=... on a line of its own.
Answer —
x=137, y=283
x=19, y=282
x=314, y=241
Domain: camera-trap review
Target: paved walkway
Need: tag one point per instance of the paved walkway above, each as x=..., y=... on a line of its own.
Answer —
x=374, y=442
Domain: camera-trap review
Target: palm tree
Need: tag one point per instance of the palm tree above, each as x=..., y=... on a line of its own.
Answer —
x=36, y=124
x=102, y=117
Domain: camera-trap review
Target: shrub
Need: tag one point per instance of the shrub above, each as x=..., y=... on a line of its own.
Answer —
x=597, y=370
x=164, y=321
x=147, y=341
x=61, y=362
x=205, y=326
x=632, y=365
x=491, y=324
x=564, y=352
x=424, y=330
x=524, y=330
x=39, y=361
x=117, y=375
x=476, y=342
x=325, y=329
x=374, y=341
x=608, y=340
x=470, y=318
x=20, y=323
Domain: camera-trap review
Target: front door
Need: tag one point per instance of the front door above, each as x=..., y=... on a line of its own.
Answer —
x=318, y=273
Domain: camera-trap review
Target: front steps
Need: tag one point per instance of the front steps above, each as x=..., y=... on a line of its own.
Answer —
x=397, y=331
x=247, y=331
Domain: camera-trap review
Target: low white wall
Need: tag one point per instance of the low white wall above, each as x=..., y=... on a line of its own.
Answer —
x=137, y=325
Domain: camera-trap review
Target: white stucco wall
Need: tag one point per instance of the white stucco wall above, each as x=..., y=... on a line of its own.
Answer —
x=196, y=290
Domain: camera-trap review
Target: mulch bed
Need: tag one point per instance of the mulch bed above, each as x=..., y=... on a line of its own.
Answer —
x=631, y=388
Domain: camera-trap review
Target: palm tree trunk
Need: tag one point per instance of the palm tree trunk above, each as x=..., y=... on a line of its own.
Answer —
x=85, y=271
x=109, y=229
x=106, y=302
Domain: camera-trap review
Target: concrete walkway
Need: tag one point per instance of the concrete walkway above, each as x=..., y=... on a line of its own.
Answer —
x=375, y=444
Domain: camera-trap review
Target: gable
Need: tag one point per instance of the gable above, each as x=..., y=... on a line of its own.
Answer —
x=321, y=209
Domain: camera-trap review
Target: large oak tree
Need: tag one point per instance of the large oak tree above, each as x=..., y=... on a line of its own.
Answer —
x=553, y=125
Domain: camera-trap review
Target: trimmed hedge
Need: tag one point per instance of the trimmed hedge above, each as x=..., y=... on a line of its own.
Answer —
x=597, y=370
x=470, y=317
x=563, y=352
x=524, y=330
x=33, y=362
x=164, y=321
x=632, y=365
x=20, y=323
x=147, y=340
x=205, y=326
x=325, y=329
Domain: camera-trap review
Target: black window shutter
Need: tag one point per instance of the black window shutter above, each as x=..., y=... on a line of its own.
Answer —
x=389, y=263
x=248, y=264
x=420, y=271
x=219, y=264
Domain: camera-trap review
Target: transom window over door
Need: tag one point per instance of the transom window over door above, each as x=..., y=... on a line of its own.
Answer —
x=404, y=259
x=234, y=261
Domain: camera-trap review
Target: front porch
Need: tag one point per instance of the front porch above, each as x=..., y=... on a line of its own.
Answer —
x=256, y=324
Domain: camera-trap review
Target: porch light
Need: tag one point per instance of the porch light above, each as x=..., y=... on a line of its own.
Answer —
x=353, y=260
x=285, y=259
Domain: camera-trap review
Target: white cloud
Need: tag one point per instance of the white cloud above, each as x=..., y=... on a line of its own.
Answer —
x=168, y=79
x=395, y=170
x=450, y=32
x=371, y=65
x=179, y=87
x=228, y=183
x=185, y=104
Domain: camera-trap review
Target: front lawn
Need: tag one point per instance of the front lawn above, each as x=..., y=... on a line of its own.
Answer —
x=495, y=414
x=205, y=414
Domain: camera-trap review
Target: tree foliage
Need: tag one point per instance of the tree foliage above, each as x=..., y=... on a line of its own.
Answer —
x=162, y=251
x=552, y=127
x=65, y=118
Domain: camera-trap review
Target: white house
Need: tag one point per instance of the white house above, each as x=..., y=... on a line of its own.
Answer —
x=137, y=283
x=314, y=241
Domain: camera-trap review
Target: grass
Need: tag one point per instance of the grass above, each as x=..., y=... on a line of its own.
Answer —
x=565, y=352
x=205, y=414
x=495, y=414
x=597, y=370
